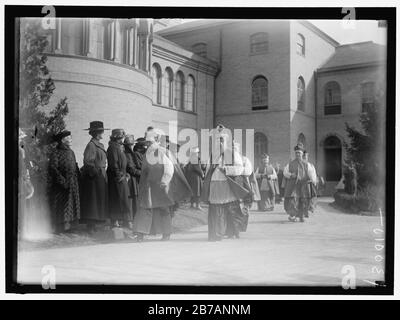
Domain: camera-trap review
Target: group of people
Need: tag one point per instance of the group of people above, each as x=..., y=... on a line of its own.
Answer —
x=123, y=184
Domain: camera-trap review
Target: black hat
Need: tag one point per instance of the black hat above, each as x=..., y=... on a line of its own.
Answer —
x=59, y=136
x=141, y=141
x=118, y=133
x=96, y=126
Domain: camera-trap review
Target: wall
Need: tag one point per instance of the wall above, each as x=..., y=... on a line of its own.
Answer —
x=317, y=51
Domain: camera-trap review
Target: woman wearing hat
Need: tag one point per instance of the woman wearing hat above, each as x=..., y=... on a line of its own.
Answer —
x=194, y=174
x=133, y=170
x=94, y=206
x=65, y=187
x=120, y=204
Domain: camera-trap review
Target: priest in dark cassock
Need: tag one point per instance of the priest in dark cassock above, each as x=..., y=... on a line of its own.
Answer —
x=162, y=184
x=194, y=174
x=297, y=174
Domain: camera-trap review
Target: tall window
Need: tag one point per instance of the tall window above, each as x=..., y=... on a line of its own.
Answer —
x=200, y=49
x=367, y=95
x=301, y=94
x=333, y=98
x=179, y=90
x=259, y=95
x=301, y=45
x=168, y=88
x=259, y=43
x=190, y=94
x=156, y=75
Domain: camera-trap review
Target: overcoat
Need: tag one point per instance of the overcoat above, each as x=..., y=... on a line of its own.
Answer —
x=94, y=189
x=120, y=205
x=134, y=171
x=64, y=174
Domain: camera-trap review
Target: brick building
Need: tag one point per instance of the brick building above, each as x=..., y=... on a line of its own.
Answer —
x=287, y=80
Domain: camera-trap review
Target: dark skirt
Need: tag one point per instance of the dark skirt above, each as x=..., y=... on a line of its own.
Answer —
x=94, y=204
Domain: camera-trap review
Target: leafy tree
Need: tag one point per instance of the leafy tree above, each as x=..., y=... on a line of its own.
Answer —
x=366, y=147
x=37, y=117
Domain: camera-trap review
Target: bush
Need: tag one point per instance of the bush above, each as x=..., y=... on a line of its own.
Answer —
x=370, y=199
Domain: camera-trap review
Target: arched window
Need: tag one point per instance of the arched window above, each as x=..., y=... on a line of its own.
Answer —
x=156, y=75
x=301, y=45
x=179, y=90
x=367, y=95
x=301, y=94
x=333, y=98
x=168, y=87
x=259, y=93
x=259, y=42
x=302, y=139
x=190, y=94
x=200, y=49
x=333, y=158
x=260, y=147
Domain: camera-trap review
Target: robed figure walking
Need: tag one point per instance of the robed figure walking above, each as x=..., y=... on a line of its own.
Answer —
x=221, y=190
x=297, y=176
x=161, y=185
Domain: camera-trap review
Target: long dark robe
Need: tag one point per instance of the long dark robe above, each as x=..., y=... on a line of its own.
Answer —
x=194, y=175
x=120, y=205
x=296, y=189
x=64, y=173
x=94, y=191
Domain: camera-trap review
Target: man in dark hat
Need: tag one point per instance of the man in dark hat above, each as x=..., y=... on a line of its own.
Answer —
x=120, y=205
x=94, y=202
x=64, y=172
x=297, y=175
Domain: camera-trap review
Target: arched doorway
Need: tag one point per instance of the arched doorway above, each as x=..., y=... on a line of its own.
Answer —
x=260, y=147
x=333, y=158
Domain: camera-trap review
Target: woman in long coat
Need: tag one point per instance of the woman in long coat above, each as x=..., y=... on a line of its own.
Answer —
x=194, y=174
x=94, y=202
x=133, y=170
x=65, y=186
x=120, y=205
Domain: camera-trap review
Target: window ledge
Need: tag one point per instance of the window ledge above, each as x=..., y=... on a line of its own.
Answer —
x=259, y=108
x=174, y=109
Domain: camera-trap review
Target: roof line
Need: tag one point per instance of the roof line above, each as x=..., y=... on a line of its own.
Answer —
x=319, y=32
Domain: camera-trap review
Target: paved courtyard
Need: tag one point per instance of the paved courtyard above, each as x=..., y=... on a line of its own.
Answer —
x=273, y=251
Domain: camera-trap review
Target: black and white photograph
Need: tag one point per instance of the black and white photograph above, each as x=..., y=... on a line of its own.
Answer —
x=240, y=151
